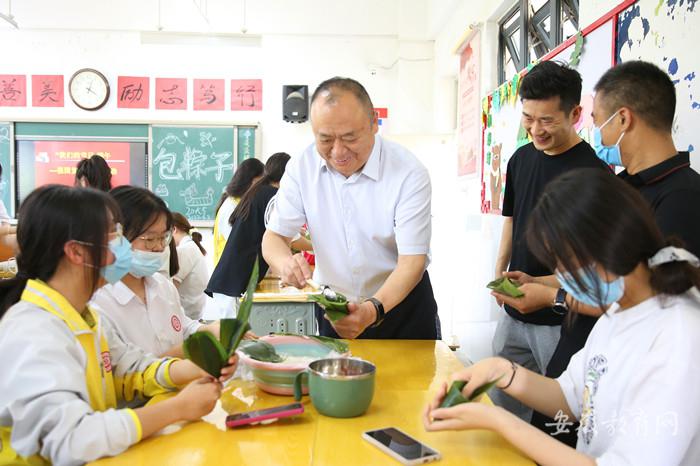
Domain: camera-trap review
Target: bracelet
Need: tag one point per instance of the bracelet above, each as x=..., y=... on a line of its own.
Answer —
x=512, y=377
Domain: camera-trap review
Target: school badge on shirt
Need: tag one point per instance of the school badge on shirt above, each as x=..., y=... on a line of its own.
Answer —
x=175, y=322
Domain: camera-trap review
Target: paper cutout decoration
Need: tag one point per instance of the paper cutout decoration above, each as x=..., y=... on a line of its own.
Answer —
x=171, y=94
x=209, y=94
x=47, y=90
x=246, y=94
x=133, y=92
x=13, y=90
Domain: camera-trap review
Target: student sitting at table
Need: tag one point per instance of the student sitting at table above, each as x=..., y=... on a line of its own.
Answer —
x=192, y=276
x=144, y=307
x=634, y=386
x=94, y=172
x=247, y=173
x=65, y=372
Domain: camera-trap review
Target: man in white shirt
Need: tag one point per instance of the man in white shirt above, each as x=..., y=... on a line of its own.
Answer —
x=366, y=202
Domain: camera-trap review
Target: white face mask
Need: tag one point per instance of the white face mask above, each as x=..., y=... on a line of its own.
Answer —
x=146, y=263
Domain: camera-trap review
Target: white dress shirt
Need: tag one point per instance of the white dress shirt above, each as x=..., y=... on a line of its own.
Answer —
x=156, y=326
x=192, y=277
x=635, y=384
x=359, y=225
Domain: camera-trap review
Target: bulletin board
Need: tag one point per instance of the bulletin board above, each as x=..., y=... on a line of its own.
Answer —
x=665, y=33
x=591, y=52
x=191, y=165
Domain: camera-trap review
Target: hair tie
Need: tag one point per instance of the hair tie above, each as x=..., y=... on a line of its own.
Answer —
x=673, y=254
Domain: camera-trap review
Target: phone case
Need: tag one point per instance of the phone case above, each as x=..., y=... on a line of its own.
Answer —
x=398, y=457
x=232, y=421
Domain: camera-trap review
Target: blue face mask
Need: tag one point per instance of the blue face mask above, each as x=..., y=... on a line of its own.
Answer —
x=146, y=263
x=121, y=248
x=608, y=154
x=610, y=292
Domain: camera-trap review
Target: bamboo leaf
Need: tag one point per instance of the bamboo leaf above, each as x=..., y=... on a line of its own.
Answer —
x=505, y=286
x=260, y=351
x=203, y=349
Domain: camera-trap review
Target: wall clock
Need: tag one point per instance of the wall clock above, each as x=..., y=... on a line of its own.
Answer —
x=88, y=89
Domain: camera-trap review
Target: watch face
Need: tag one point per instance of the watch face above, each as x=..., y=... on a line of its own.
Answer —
x=89, y=89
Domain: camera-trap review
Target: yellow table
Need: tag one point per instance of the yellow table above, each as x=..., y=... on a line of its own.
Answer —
x=408, y=373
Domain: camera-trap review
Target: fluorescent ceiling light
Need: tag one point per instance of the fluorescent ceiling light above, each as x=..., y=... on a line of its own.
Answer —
x=218, y=40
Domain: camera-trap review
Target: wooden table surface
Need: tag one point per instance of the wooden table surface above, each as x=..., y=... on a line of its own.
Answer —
x=408, y=374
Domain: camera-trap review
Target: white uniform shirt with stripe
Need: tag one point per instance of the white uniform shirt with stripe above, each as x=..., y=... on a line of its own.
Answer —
x=359, y=225
x=156, y=326
x=193, y=277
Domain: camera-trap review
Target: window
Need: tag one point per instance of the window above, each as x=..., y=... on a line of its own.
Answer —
x=531, y=29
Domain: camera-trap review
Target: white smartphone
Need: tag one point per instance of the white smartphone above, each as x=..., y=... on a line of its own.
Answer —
x=401, y=446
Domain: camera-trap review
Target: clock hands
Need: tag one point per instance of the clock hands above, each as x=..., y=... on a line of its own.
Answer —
x=89, y=89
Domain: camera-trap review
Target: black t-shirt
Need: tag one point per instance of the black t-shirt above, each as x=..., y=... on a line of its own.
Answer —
x=529, y=171
x=672, y=189
x=232, y=272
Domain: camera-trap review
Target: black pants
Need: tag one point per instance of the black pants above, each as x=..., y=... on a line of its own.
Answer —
x=415, y=318
x=573, y=338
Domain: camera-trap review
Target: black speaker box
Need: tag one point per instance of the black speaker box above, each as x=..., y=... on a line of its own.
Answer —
x=295, y=103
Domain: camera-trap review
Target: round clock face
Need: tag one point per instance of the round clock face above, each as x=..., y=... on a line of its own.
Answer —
x=89, y=89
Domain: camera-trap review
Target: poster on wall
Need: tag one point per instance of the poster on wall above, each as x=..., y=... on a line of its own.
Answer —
x=660, y=32
x=591, y=54
x=56, y=161
x=469, y=131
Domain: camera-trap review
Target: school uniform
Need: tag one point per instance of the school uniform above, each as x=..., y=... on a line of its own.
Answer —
x=65, y=374
x=634, y=386
x=192, y=278
x=155, y=326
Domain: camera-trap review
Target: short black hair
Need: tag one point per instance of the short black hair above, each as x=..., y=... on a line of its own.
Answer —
x=552, y=79
x=347, y=85
x=642, y=87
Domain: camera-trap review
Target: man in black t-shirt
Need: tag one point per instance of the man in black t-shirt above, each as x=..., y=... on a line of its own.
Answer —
x=634, y=111
x=550, y=94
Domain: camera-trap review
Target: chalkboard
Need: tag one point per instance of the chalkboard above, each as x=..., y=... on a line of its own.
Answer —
x=5, y=161
x=190, y=167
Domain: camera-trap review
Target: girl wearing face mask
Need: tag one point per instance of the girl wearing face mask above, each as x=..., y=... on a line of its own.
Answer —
x=144, y=306
x=634, y=386
x=66, y=375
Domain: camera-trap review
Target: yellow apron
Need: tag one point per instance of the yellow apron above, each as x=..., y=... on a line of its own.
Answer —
x=98, y=373
x=219, y=239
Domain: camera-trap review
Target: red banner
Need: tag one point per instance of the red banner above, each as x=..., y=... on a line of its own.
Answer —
x=13, y=90
x=56, y=161
x=246, y=94
x=47, y=90
x=132, y=92
x=171, y=94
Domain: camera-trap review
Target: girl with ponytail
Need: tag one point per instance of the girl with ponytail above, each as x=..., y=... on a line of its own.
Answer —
x=192, y=277
x=634, y=386
x=229, y=279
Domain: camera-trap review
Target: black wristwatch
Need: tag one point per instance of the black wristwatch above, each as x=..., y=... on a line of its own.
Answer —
x=560, y=307
x=380, y=311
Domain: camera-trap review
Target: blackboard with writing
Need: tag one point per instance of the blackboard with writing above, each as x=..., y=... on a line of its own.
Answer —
x=190, y=167
x=5, y=158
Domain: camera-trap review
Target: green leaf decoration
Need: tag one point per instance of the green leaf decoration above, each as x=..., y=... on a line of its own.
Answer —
x=575, y=58
x=505, y=286
x=335, y=310
x=203, y=349
x=260, y=351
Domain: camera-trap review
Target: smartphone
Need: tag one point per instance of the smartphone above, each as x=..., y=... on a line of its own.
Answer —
x=401, y=446
x=269, y=414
